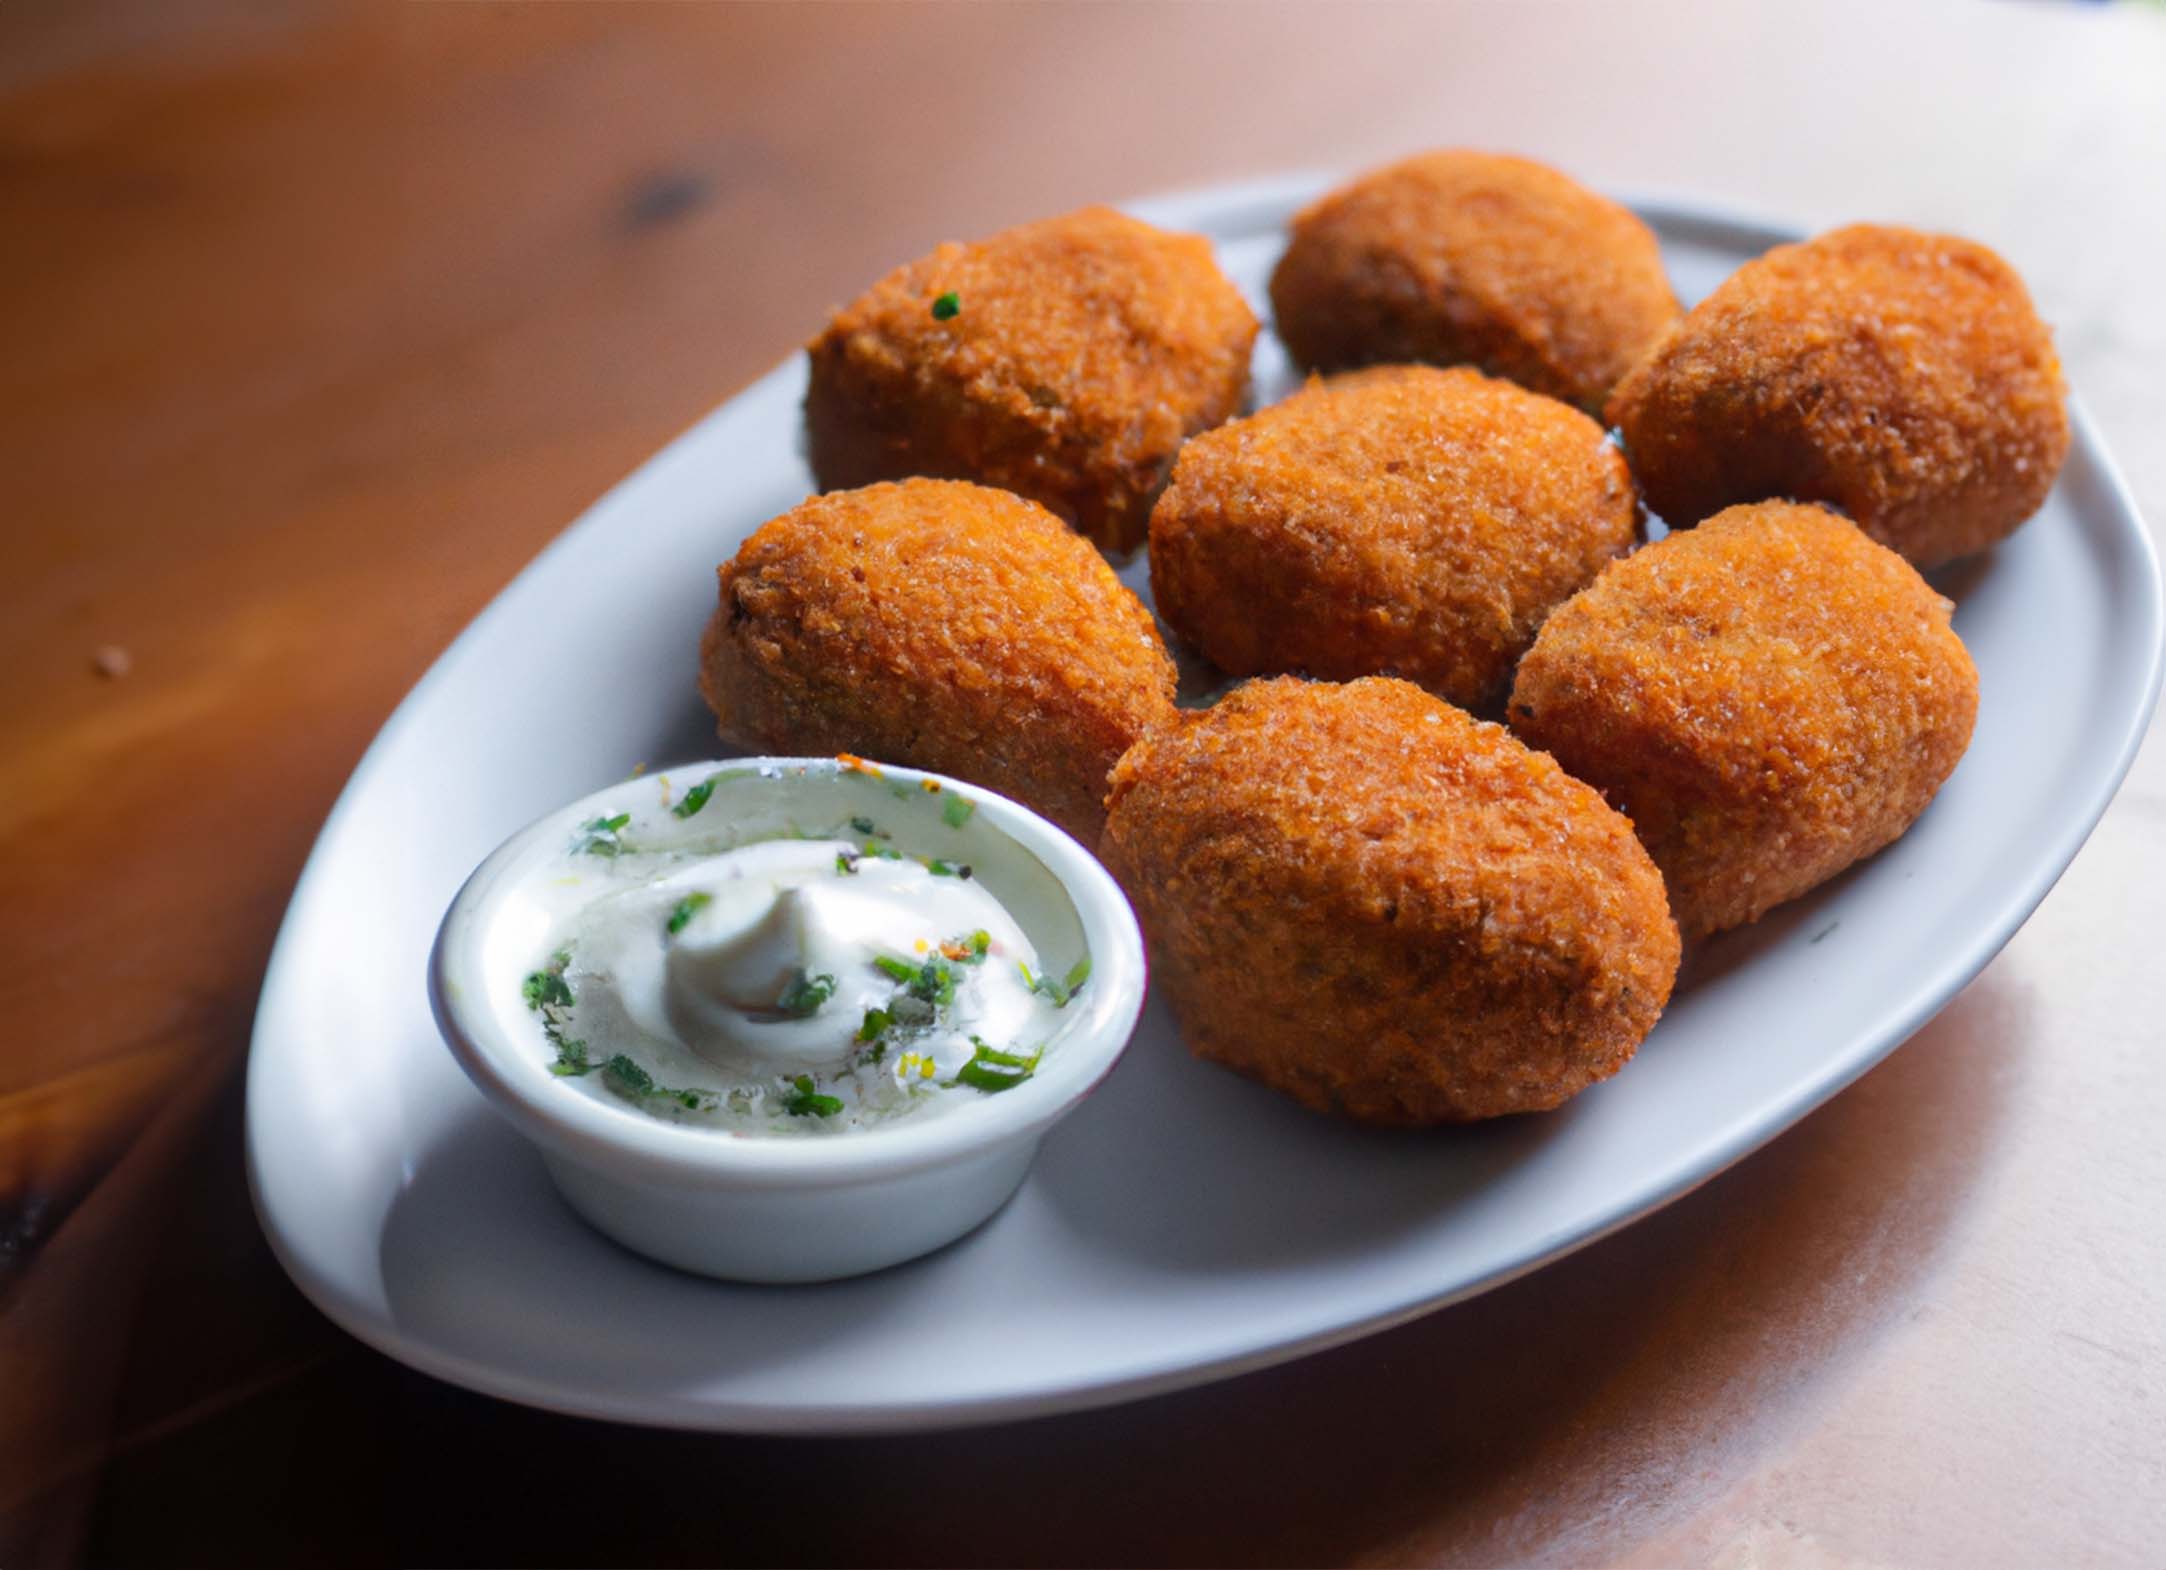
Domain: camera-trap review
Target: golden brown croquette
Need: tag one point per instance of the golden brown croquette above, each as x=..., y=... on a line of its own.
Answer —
x=1400, y=521
x=1386, y=908
x=1065, y=360
x=942, y=626
x=1902, y=377
x=1461, y=257
x=1770, y=697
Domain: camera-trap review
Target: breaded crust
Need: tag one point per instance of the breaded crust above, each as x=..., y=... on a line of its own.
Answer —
x=1770, y=697
x=942, y=626
x=1081, y=353
x=1404, y=521
x=1902, y=377
x=1386, y=908
x=1461, y=257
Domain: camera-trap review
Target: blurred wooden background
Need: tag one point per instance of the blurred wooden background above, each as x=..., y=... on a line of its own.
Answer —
x=320, y=319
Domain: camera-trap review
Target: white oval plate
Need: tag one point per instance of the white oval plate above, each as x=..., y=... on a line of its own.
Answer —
x=1184, y=1225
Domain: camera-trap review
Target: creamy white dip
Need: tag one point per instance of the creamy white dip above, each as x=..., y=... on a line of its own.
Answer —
x=794, y=985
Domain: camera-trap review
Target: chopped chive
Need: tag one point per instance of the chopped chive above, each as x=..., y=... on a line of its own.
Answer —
x=956, y=810
x=898, y=970
x=805, y=994
x=992, y=1070
x=946, y=306
x=696, y=797
x=875, y=1024
x=940, y=867
x=1059, y=991
x=688, y=907
x=601, y=835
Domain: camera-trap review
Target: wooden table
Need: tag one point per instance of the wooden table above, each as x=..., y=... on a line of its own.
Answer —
x=320, y=319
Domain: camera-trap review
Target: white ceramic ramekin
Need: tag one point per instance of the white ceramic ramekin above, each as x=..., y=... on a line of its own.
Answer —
x=782, y=1208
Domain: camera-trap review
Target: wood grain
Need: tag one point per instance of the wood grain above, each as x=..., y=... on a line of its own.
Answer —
x=322, y=319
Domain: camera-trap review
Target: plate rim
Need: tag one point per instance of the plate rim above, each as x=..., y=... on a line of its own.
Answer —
x=1211, y=209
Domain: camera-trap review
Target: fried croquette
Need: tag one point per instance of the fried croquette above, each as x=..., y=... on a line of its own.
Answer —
x=1474, y=258
x=1901, y=377
x=1769, y=697
x=1385, y=908
x=1405, y=521
x=1065, y=360
x=942, y=626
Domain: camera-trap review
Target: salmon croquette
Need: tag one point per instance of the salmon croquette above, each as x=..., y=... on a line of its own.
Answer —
x=1461, y=257
x=1901, y=377
x=1386, y=908
x=1405, y=521
x=1065, y=360
x=1770, y=697
x=942, y=626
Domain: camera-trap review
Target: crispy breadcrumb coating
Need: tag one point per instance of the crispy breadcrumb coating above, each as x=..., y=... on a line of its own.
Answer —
x=1902, y=377
x=1386, y=908
x=1461, y=257
x=942, y=626
x=1770, y=697
x=1404, y=521
x=1065, y=360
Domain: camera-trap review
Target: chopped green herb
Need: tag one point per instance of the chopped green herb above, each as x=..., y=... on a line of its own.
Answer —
x=688, y=907
x=804, y=1101
x=621, y=1074
x=884, y=852
x=875, y=1024
x=846, y=862
x=550, y=995
x=805, y=994
x=696, y=797
x=930, y=983
x=546, y=988
x=863, y=826
x=942, y=868
x=934, y=983
x=601, y=835
x=956, y=810
x=1059, y=991
x=992, y=1070
x=946, y=306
